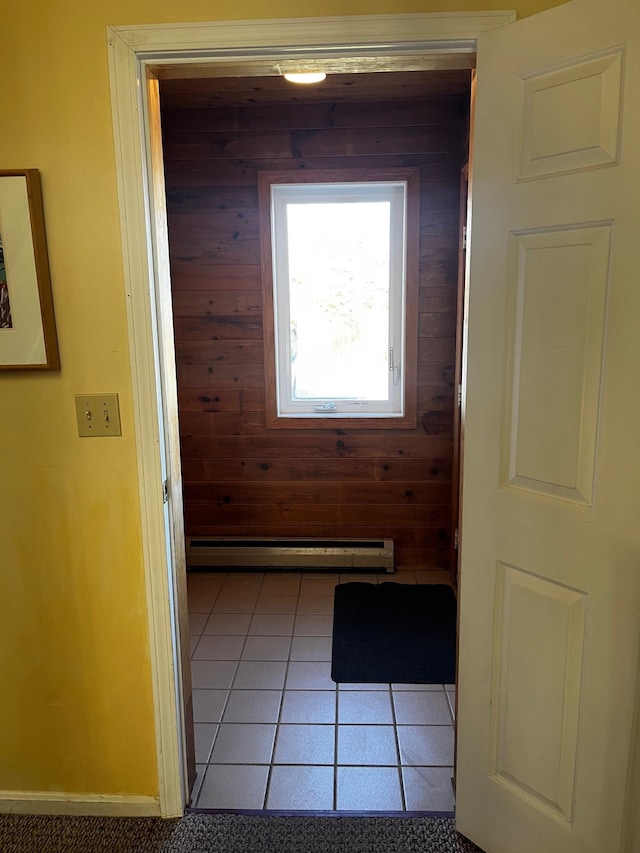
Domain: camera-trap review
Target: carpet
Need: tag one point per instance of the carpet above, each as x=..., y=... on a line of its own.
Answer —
x=63, y=834
x=246, y=834
x=394, y=633
x=225, y=833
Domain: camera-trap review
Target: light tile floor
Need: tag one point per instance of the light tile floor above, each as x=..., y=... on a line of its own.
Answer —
x=273, y=731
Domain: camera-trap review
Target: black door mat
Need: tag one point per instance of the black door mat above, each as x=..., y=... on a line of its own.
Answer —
x=394, y=633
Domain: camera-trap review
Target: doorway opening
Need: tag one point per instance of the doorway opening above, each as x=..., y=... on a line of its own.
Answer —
x=141, y=56
x=271, y=729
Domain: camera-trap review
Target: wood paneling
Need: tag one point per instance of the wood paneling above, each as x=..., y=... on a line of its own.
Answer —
x=325, y=492
x=366, y=142
x=240, y=478
x=242, y=172
x=310, y=116
x=276, y=470
x=317, y=444
x=344, y=91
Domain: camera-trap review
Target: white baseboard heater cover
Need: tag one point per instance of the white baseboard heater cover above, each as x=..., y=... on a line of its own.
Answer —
x=297, y=553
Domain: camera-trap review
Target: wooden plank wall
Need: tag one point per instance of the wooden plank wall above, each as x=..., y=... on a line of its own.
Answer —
x=241, y=479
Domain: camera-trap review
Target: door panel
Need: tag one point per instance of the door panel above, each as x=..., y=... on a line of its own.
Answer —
x=555, y=136
x=550, y=538
x=557, y=291
x=537, y=688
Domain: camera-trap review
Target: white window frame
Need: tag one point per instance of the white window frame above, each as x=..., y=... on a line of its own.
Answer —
x=406, y=418
x=283, y=195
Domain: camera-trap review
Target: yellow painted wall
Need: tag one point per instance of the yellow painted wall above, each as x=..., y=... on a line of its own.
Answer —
x=76, y=702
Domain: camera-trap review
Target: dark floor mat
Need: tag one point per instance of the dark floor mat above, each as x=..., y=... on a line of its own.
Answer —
x=394, y=633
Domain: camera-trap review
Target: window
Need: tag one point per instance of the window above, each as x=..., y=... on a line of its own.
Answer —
x=338, y=257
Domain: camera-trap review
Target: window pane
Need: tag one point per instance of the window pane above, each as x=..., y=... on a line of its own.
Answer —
x=338, y=257
x=337, y=272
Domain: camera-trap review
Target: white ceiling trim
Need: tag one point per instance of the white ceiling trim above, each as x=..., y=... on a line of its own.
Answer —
x=372, y=31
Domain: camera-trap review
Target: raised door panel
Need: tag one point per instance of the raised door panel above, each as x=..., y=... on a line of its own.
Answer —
x=557, y=289
x=537, y=688
x=571, y=116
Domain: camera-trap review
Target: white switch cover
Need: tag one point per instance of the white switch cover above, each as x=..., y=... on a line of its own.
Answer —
x=98, y=414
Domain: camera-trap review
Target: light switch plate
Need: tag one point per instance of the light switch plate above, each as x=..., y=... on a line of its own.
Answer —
x=98, y=414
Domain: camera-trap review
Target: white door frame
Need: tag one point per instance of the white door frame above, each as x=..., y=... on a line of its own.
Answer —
x=137, y=54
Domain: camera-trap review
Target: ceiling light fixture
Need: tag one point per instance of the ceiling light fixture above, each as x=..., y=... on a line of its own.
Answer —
x=305, y=77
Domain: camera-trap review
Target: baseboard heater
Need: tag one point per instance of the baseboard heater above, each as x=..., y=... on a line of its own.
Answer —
x=299, y=553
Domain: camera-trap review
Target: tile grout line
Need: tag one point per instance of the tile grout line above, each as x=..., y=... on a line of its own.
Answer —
x=335, y=746
x=235, y=673
x=403, y=797
x=277, y=728
x=208, y=615
x=336, y=726
x=450, y=705
x=210, y=750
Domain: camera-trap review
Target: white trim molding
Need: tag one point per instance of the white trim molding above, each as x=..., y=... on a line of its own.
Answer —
x=359, y=31
x=127, y=82
x=107, y=805
x=137, y=54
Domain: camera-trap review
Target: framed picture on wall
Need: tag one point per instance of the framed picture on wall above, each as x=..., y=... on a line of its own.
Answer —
x=28, y=338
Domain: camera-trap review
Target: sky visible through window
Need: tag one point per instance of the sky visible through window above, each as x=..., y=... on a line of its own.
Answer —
x=339, y=299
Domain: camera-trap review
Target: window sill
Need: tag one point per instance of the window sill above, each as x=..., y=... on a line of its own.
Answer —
x=333, y=422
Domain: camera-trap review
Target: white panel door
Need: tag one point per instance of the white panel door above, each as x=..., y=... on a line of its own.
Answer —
x=550, y=535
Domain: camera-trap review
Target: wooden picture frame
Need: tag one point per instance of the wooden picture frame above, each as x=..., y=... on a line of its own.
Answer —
x=28, y=338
